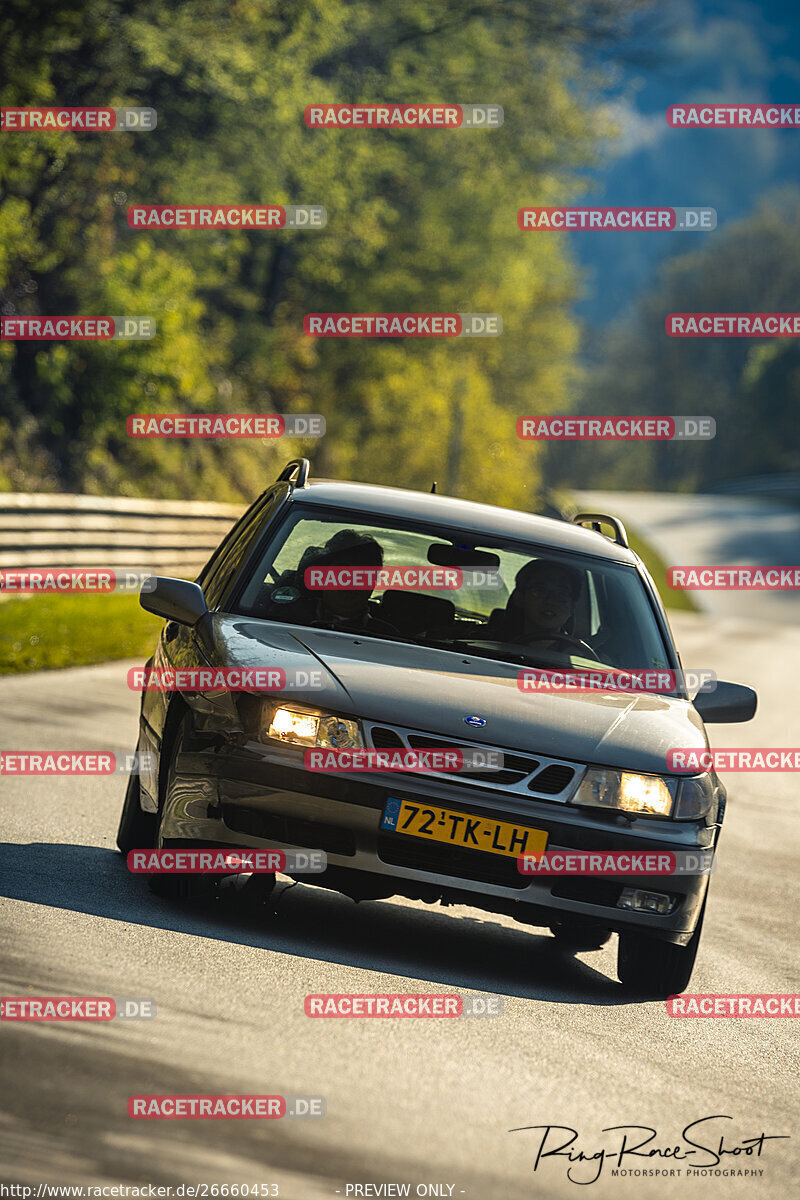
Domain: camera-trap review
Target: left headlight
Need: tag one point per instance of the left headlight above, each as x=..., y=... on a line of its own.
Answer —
x=300, y=727
x=649, y=795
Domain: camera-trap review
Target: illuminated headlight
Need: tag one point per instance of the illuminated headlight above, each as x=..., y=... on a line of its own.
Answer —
x=296, y=727
x=649, y=795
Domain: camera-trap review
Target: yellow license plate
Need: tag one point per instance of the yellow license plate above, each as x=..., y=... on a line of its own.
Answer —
x=462, y=830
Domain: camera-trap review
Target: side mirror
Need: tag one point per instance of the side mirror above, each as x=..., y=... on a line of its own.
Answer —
x=173, y=599
x=727, y=703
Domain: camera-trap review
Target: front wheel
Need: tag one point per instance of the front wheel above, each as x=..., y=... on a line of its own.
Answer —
x=176, y=887
x=651, y=967
x=137, y=829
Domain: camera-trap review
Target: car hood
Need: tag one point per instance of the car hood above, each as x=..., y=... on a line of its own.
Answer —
x=434, y=690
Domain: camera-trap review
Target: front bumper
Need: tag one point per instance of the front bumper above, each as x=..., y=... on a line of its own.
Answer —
x=257, y=796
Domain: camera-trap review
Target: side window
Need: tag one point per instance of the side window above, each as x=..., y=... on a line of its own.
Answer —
x=217, y=574
x=211, y=567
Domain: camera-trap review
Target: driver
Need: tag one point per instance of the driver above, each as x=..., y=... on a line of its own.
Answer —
x=540, y=606
x=290, y=600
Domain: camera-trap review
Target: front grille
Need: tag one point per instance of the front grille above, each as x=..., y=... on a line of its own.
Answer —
x=552, y=779
x=515, y=767
x=386, y=739
x=446, y=860
x=521, y=773
x=311, y=835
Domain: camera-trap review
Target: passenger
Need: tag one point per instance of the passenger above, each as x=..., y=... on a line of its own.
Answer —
x=289, y=599
x=540, y=606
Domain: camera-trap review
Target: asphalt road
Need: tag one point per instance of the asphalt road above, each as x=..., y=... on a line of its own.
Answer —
x=408, y=1101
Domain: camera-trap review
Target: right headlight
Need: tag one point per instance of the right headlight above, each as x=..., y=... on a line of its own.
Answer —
x=649, y=795
x=646, y=795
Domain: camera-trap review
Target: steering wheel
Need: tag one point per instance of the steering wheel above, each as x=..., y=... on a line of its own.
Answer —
x=570, y=641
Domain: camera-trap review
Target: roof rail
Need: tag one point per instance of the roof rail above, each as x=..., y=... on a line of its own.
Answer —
x=596, y=519
x=295, y=472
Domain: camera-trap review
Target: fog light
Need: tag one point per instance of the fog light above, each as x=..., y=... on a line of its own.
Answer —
x=641, y=901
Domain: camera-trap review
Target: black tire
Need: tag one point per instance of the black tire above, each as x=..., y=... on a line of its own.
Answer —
x=650, y=967
x=176, y=887
x=137, y=829
x=577, y=937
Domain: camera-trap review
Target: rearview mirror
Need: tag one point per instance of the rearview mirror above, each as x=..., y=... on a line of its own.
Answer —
x=446, y=555
x=726, y=704
x=174, y=599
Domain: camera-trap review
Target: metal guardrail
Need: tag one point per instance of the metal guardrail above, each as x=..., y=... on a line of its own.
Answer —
x=170, y=537
x=760, y=485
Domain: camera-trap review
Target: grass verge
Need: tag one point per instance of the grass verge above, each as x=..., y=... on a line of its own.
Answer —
x=46, y=632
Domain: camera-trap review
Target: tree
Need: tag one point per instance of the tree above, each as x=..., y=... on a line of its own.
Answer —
x=417, y=221
x=751, y=386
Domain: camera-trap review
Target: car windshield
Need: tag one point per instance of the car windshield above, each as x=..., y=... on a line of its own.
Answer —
x=493, y=598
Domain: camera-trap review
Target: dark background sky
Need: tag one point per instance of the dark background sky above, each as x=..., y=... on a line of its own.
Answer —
x=705, y=51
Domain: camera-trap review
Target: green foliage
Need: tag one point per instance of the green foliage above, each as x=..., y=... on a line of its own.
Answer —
x=751, y=386
x=416, y=222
